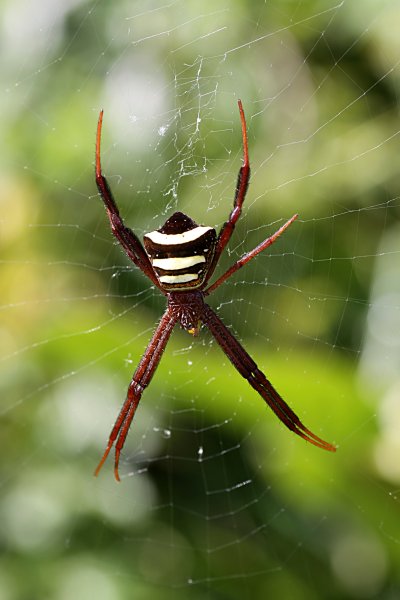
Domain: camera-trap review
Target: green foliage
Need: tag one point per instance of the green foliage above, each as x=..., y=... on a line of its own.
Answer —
x=218, y=500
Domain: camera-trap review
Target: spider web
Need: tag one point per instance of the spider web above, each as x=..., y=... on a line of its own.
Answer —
x=217, y=498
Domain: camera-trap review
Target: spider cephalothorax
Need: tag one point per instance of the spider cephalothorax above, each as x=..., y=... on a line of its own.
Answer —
x=179, y=258
x=187, y=308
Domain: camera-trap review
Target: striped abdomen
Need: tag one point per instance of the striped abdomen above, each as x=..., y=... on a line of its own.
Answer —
x=180, y=252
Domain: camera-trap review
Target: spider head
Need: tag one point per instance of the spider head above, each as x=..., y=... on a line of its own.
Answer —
x=194, y=330
x=187, y=307
x=180, y=252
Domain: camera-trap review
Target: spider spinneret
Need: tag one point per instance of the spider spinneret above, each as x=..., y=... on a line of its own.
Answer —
x=179, y=258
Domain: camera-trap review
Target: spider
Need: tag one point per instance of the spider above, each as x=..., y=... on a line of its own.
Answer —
x=179, y=259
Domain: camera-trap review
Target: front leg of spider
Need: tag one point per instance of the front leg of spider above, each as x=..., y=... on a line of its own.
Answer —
x=140, y=381
x=256, y=378
x=179, y=258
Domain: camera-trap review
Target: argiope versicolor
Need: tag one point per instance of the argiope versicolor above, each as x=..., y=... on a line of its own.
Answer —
x=179, y=258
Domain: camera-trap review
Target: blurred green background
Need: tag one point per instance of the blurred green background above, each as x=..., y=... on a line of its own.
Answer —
x=217, y=499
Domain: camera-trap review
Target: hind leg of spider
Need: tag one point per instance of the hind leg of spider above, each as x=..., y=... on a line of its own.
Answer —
x=249, y=255
x=240, y=193
x=125, y=236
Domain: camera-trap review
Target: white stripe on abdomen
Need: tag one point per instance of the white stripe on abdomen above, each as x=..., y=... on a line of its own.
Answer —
x=178, y=262
x=177, y=238
x=184, y=278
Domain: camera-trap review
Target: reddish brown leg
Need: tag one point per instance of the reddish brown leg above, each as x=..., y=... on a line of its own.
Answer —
x=140, y=381
x=249, y=370
x=241, y=189
x=249, y=255
x=128, y=240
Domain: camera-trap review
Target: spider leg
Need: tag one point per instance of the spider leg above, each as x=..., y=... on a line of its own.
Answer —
x=241, y=188
x=140, y=381
x=128, y=240
x=249, y=255
x=249, y=370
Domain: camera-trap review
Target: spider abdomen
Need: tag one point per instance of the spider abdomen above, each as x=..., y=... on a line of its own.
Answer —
x=180, y=252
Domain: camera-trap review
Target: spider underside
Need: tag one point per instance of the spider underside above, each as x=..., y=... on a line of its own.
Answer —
x=179, y=258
